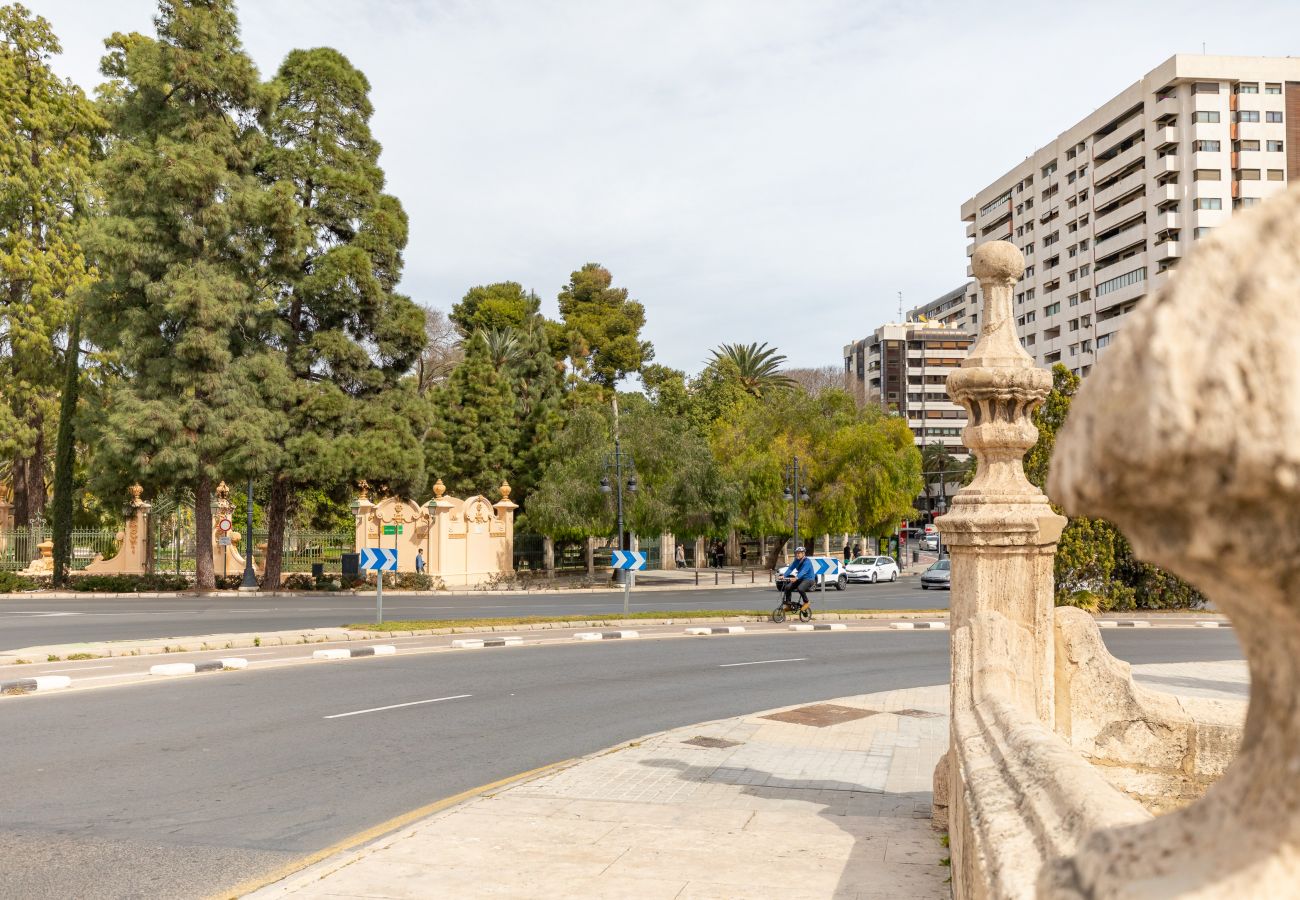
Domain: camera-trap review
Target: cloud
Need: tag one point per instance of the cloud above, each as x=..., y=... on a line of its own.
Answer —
x=752, y=170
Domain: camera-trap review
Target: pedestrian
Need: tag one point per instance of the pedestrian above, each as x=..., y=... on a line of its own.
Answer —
x=857, y=549
x=846, y=551
x=719, y=554
x=680, y=556
x=744, y=555
x=419, y=561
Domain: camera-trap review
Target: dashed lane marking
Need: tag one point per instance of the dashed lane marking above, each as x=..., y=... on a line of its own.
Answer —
x=762, y=662
x=359, y=712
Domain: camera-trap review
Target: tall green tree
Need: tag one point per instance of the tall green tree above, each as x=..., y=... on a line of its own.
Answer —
x=536, y=381
x=65, y=456
x=755, y=367
x=472, y=442
x=504, y=305
x=346, y=336
x=182, y=251
x=600, y=329
x=47, y=145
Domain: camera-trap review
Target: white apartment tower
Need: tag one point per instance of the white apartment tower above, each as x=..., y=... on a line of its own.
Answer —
x=1105, y=211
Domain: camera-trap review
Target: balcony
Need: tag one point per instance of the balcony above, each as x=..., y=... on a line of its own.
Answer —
x=1169, y=106
x=1166, y=250
x=1112, y=192
x=1134, y=127
x=971, y=230
x=1163, y=137
x=1106, y=168
x=1166, y=193
x=1135, y=234
x=1166, y=164
x=1163, y=222
x=1133, y=207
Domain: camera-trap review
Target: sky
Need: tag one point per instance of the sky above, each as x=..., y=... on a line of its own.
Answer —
x=751, y=170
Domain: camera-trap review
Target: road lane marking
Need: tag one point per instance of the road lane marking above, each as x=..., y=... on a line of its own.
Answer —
x=762, y=662
x=396, y=706
x=78, y=669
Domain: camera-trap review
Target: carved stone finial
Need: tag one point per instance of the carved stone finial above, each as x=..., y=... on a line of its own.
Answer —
x=363, y=489
x=998, y=261
x=223, y=492
x=439, y=489
x=504, y=489
x=136, y=490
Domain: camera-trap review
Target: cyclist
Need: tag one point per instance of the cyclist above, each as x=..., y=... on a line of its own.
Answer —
x=799, y=576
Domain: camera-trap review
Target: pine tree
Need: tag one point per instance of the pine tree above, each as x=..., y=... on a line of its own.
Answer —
x=46, y=148
x=472, y=444
x=601, y=331
x=181, y=250
x=345, y=334
x=65, y=456
x=539, y=408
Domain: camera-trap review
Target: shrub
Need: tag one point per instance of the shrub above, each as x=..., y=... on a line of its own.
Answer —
x=127, y=584
x=11, y=583
x=299, y=581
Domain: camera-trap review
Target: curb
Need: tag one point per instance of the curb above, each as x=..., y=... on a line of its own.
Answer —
x=721, y=629
x=909, y=626
x=353, y=652
x=212, y=665
x=833, y=626
x=604, y=635
x=475, y=644
x=39, y=683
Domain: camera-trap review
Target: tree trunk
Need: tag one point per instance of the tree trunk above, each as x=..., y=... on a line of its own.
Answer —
x=548, y=556
x=733, y=548
x=204, y=576
x=589, y=550
x=774, y=552
x=29, y=478
x=277, y=516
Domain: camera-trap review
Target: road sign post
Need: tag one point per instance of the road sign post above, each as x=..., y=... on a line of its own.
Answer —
x=632, y=561
x=380, y=560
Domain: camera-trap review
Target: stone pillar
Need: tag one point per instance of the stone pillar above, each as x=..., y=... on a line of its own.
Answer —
x=548, y=555
x=132, y=557
x=505, y=509
x=438, y=550
x=667, y=551
x=1001, y=532
x=699, y=553
x=733, y=548
x=227, y=560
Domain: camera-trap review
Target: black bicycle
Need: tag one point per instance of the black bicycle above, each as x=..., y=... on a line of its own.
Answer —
x=793, y=605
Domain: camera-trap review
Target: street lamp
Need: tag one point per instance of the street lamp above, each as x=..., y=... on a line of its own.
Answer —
x=617, y=463
x=942, y=506
x=250, y=577
x=793, y=475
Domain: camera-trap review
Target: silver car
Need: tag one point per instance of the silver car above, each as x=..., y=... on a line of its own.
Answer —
x=937, y=576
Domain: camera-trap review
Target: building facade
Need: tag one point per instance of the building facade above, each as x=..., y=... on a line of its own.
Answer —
x=1105, y=211
x=903, y=368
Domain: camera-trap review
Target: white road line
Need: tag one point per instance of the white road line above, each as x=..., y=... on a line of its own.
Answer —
x=78, y=669
x=396, y=706
x=762, y=662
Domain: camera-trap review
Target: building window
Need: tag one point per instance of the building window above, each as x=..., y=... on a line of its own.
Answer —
x=1273, y=116
x=1248, y=174
x=1052, y=309
x=1085, y=346
x=1272, y=88
x=1247, y=87
x=1074, y=325
x=1206, y=115
x=1207, y=175
x=1085, y=269
x=1199, y=233
x=1103, y=340
x=1120, y=281
x=1206, y=146
x=1205, y=87
x=1083, y=244
x=1030, y=316
x=1247, y=115
x=1244, y=202
x=1245, y=145
x=1276, y=175
x=1209, y=203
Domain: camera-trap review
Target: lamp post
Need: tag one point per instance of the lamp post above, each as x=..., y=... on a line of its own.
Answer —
x=617, y=463
x=250, y=577
x=942, y=506
x=793, y=475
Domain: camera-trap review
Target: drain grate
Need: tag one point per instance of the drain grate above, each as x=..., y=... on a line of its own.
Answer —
x=820, y=715
x=711, y=743
x=919, y=714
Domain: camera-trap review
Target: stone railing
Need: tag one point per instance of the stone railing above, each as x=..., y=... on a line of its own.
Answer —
x=1186, y=438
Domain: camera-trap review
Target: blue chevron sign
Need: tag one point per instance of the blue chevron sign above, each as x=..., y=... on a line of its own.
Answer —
x=374, y=559
x=627, y=559
x=826, y=565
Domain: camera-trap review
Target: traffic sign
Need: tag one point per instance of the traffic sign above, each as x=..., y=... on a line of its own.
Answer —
x=826, y=565
x=376, y=559
x=627, y=559
x=392, y=529
x=224, y=523
x=223, y=540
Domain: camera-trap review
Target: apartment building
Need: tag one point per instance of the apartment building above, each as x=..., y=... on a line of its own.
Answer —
x=1105, y=211
x=903, y=368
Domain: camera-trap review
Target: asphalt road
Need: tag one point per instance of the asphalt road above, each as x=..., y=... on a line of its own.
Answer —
x=34, y=622
x=183, y=789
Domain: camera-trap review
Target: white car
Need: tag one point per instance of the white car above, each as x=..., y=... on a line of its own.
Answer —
x=930, y=542
x=872, y=569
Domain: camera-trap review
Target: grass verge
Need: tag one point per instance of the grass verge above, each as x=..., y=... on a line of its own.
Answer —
x=422, y=624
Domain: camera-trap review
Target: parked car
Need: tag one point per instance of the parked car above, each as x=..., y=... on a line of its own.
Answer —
x=937, y=576
x=930, y=542
x=871, y=569
x=839, y=583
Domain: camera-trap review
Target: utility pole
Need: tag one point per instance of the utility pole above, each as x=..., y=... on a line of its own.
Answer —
x=794, y=474
x=249, y=582
x=626, y=577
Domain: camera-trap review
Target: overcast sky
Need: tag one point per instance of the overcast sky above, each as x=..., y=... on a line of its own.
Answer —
x=751, y=170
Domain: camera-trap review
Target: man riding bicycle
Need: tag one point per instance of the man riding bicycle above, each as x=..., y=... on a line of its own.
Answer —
x=799, y=576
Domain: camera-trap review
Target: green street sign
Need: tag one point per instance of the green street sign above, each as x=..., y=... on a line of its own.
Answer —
x=392, y=529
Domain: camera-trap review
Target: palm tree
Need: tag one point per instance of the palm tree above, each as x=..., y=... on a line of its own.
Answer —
x=503, y=345
x=757, y=367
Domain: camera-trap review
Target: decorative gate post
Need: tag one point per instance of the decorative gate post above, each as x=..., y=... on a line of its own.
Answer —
x=505, y=508
x=1001, y=533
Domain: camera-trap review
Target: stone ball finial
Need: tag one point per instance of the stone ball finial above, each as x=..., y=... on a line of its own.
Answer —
x=439, y=489
x=363, y=489
x=136, y=490
x=504, y=489
x=998, y=261
x=223, y=492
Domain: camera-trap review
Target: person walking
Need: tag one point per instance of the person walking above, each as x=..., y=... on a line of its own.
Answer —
x=857, y=549
x=680, y=556
x=799, y=576
x=419, y=561
x=744, y=555
x=846, y=552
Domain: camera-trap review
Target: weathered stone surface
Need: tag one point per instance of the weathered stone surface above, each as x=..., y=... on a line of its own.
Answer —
x=1186, y=437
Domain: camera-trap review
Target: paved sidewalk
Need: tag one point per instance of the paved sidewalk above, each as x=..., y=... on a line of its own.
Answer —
x=834, y=801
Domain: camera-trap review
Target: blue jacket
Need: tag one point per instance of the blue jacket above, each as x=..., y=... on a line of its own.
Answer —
x=800, y=570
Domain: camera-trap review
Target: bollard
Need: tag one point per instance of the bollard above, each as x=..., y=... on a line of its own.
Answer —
x=733, y=576
x=697, y=577
x=751, y=576
x=715, y=577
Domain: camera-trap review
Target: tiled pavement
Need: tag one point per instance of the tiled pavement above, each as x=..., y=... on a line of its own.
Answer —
x=749, y=807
